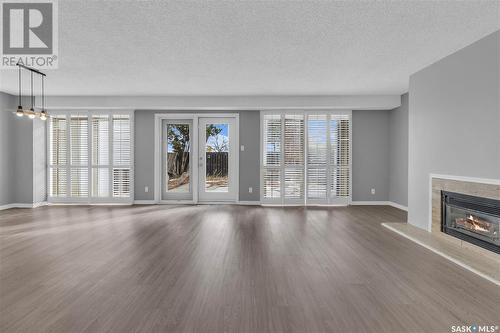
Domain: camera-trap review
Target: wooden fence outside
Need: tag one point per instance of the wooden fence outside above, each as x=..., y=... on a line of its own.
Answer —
x=217, y=164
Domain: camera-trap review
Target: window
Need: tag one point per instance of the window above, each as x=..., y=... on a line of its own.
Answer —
x=90, y=156
x=306, y=157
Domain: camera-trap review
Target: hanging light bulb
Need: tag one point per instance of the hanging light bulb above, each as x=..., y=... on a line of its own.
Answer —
x=19, y=111
x=43, y=113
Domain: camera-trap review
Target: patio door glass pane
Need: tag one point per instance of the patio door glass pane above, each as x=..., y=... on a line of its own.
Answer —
x=178, y=162
x=217, y=157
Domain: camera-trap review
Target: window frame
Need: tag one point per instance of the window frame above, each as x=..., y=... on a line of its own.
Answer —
x=89, y=199
x=282, y=200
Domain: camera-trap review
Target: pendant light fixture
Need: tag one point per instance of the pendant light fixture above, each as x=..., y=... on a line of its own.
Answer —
x=31, y=113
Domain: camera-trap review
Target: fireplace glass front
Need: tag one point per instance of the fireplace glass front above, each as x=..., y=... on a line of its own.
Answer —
x=473, y=219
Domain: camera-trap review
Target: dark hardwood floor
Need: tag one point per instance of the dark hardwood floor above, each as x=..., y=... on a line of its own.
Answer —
x=228, y=269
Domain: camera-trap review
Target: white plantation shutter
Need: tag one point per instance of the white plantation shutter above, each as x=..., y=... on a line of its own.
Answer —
x=272, y=140
x=306, y=157
x=294, y=157
x=58, y=155
x=79, y=182
x=272, y=148
x=100, y=156
x=90, y=157
x=121, y=156
x=340, y=155
x=272, y=183
x=79, y=134
x=79, y=155
x=121, y=182
x=317, y=142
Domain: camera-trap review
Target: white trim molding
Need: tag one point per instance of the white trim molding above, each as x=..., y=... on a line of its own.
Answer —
x=249, y=203
x=380, y=203
x=217, y=103
x=490, y=181
x=23, y=205
x=144, y=202
x=159, y=117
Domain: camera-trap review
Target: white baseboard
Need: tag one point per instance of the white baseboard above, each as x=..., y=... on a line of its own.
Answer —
x=23, y=205
x=249, y=203
x=144, y=202
x=379, y=203
x=152, y=202
x=370, y=203
x=398, y=206
x=40, y=204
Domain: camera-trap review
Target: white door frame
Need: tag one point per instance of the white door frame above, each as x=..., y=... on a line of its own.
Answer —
x=231, y=195
x=159, y=117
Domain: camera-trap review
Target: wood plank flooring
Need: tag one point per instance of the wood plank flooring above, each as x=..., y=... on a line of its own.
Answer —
x=228, y=269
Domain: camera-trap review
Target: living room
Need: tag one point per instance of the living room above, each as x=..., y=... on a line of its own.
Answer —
x=250, y=166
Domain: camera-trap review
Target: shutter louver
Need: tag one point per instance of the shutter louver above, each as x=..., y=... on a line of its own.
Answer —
x=272, y=183
x=121, y=156
x=340, y=155
x=100, y=182
x=121, y=182
x=79, y=182
x=58, y=181
x=272, y=140
x=58, y=150
x=100, y=156
x=294, y=157
x=316, y=156
x=79, y=156
x=58, y=140
x=272, y=157
x=100, y=140
x=79, y=140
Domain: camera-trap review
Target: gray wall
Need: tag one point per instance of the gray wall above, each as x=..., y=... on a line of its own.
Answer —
x=16, y=154
x=370, y=155
x=39, y=161
x=398, y=155
x=249, y=159
x=7, y=151
x=454, y=121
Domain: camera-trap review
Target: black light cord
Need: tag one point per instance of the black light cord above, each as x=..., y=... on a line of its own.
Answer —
x=43, y=94
x=19, y=86
x=32, y=96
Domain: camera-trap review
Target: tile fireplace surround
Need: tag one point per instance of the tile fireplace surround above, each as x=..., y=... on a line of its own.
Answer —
x=485, y=190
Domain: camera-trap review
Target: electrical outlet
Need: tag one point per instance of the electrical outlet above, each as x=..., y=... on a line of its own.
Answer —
x=242, y=148
x=373, y=191
x=250, y=190
x=146, y=189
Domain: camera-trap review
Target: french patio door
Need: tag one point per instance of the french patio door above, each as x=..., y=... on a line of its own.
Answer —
x=217, y=150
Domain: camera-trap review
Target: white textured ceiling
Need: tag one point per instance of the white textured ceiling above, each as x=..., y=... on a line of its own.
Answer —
x=256, y=48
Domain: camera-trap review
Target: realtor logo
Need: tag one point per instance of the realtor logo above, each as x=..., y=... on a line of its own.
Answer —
x=29, y=33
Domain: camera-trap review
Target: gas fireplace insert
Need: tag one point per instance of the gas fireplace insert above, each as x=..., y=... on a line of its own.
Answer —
x=472, y=219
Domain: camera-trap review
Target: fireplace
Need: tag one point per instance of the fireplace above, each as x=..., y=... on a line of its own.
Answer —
x=472, y=219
